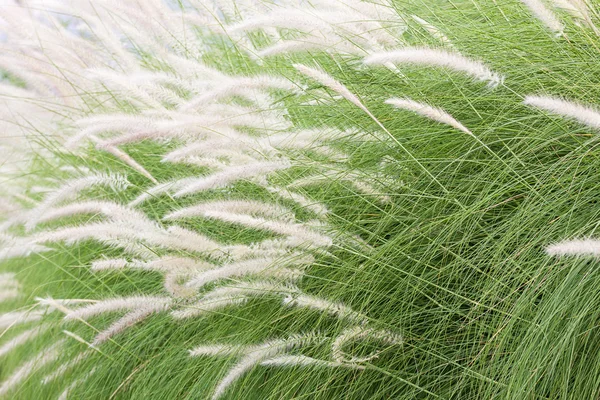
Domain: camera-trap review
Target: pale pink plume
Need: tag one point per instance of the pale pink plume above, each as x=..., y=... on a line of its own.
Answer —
x=71, y=189
x=238, y=86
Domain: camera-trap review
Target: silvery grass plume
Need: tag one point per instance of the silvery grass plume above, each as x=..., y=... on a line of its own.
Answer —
x=356, y=27
x=545, y=15
x=21, y=339
x=219, y=173
x=437, y=58
x=428, y=111
x=584, y=114
x=254, y=355
x=9, y=286
x=579, y=247
x=360, y=333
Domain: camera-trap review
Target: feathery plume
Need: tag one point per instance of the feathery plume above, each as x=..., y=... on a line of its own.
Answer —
x=185, y=239
x=237, y=86
x=127, y=238
x=250, y=207
x=174, y=283
x=185, y=130
x=333, y=45
x=130, y=319
x=338, y=309
x=580, y=10
x=22, y=338
x=70, y=189
x=163, y=264
x=350, y=177
x=234, y=294
x=159, y=189
x=9, y=286
x=544, y=15
x=263, y=146
x=255, y=356
x=304, y=361
x=581, y=247
x=113, y=211
x=22, y=372
x=126, y=158
x=8, y=280
x=266, y=248
x=19, y=317
x=80, y=339
x=56, y=304
x=8, y=294
x=428, y=111
x=311, y=205
x=571, y=8
x=20, y=248
x=258, y=266
x=286, y=18
x=361, y=333
x=229, y=175
x=583, y=114
x=119, y=304
x=327, y=81
x=284, y=228
x=436, y=58
x=211, y=152
x=206, y=306
x=218, y=350
x=111, y=264
x=253, y=288
x=329, y=23
x=174, y=269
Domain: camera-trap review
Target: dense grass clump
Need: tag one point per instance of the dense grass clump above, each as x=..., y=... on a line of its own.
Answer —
x=220, y=200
